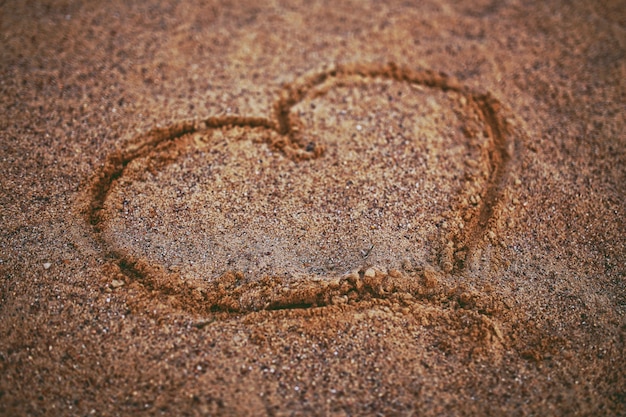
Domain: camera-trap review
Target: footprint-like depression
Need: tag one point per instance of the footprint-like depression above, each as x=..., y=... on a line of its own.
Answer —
x=362, y=172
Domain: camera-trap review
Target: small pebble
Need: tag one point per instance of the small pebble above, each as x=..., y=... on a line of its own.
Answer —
x=407, y=265
x=394, y=273
x=116, y=283
x=431, y=277
x=339, y=299
x=334, y=284
x=370, y=273
x=47, y=265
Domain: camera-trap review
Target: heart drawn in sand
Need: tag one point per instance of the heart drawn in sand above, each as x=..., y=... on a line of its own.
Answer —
x=364, y=171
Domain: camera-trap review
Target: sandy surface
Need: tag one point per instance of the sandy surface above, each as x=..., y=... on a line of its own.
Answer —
x=313, y=209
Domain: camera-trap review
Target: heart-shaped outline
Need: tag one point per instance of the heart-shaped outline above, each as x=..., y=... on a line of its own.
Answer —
x=226, y=293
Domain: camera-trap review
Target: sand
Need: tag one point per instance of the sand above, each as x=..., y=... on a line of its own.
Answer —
x=313, y=209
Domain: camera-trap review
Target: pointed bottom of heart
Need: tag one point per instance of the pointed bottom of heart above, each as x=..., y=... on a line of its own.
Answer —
x=428, y=297
x=232, y=293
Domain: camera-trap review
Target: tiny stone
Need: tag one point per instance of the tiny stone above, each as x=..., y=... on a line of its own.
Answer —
x=116, y=283
x=497, y=331
x=352, y=276
x=339, y=299
x=334, y=284
x=404, y=296
x=47, y=265
x=394, y=273
x=431, y=279
x=370, y=273
x=407, y=265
